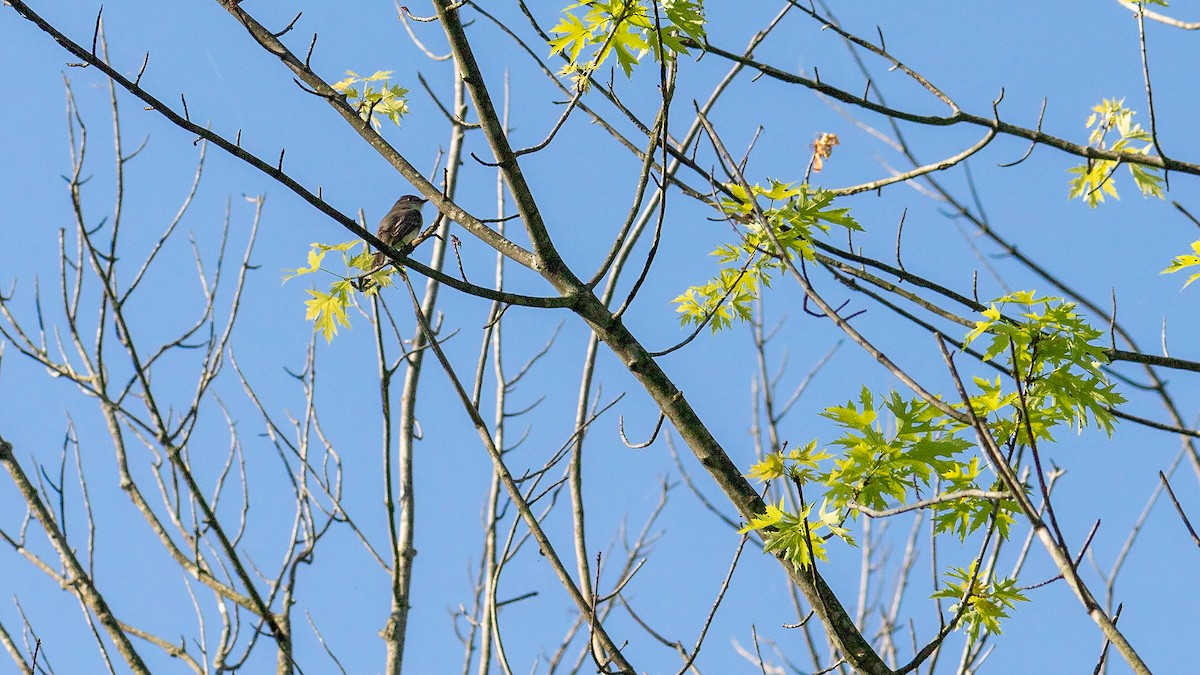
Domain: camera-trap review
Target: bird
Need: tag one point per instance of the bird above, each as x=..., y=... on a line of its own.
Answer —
x=401, y=224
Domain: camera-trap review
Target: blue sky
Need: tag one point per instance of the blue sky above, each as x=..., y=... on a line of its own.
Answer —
x=1070, y=55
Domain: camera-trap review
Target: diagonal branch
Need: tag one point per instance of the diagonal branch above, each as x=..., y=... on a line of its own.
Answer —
x=273, y=45
x=80, y=582
x=546, y=255
x=961, y=117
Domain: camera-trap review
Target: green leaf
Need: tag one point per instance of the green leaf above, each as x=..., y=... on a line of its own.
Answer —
x=1182, y=262
x=574, y=36
x=800, y=464
x=327, y=310
x=1092, y=182
x=816, y=208
x=687, y=16
x=316, y=255
x=767, y=519
x=770, y=468
x=964, y=516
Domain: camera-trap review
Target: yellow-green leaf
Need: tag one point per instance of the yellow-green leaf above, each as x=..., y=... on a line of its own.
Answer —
x=326, y=311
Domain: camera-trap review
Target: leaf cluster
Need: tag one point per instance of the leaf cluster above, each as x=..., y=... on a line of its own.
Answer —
x=964, y=516
x=983, y=600
x=1051, y=350
x=1093, y=179
x=793, y=214
x=794, y=536
x=1047, y=347
x=923, y=454
x=628, y=29
x=374, y=95
x=877, y=468
x=327, y=309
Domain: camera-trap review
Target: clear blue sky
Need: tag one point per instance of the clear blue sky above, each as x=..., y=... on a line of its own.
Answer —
x=1071, y=55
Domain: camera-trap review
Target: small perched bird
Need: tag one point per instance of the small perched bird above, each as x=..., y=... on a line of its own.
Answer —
x=401, y=225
